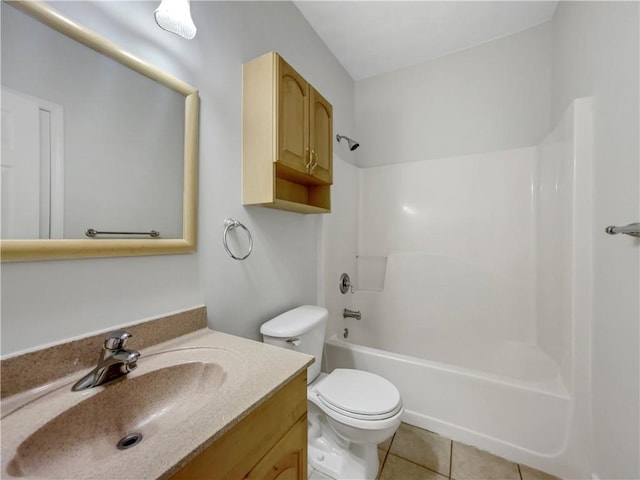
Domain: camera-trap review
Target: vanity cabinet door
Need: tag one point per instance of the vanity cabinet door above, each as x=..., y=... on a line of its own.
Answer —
x=271, y=442
x=320, y=137
x=293, y=118
x=287, y=460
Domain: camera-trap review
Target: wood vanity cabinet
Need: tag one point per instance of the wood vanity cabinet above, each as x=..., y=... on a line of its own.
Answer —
x=287, y=139
x=270, y=443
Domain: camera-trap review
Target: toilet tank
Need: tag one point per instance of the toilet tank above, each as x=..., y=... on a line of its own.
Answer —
x=301, y=329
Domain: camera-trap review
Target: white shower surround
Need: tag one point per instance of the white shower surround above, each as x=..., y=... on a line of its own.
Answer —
x=480, y=313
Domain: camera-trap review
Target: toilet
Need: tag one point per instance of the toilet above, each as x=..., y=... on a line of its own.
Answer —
x=349, y=411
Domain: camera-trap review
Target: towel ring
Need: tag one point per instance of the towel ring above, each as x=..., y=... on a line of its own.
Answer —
x=231, y=224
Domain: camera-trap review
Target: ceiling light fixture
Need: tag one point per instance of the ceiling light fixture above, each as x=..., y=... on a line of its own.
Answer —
x=175, y=16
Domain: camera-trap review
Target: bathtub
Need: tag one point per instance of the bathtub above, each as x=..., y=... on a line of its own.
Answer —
x=522, y=412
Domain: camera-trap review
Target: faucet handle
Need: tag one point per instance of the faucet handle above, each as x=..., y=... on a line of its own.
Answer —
x=116, y=340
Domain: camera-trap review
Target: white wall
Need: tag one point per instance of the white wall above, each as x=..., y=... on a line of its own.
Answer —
x=457, y=238
x=595, y=52
x=554, y=233
x=487, y=98
x=451, y=206
x=340, y=237
x=282, y=271
x=49, y=301
x=564, y=209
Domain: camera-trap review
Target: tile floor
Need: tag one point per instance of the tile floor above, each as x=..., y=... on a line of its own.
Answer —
x=416, y=454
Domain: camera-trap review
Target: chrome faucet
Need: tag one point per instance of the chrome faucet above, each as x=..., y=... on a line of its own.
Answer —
x=351, y=314
x=114, y=362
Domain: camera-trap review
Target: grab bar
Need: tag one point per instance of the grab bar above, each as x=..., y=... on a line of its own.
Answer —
x=632, y=229
x=90, y=232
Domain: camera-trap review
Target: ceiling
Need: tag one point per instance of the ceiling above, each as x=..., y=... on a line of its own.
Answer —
x=374, y=37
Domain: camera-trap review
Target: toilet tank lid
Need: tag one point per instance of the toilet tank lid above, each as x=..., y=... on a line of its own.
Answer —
x=295, y=322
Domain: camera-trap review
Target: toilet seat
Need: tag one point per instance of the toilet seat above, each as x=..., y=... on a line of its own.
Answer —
x=352, y=396
x=361, y=416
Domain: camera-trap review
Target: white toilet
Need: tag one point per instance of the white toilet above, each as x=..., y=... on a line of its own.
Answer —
x=350, y=411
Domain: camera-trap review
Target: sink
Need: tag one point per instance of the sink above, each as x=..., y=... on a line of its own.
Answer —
x=78, y=433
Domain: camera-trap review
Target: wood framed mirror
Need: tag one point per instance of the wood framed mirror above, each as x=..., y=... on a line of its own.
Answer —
x=61, y=231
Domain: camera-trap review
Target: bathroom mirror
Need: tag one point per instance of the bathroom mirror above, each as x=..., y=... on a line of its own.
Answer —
x=93, y=139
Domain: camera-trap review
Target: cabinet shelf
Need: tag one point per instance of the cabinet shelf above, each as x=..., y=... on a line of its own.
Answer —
x=301, y=198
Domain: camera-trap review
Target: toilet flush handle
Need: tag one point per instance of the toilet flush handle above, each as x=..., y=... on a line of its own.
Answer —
x=294, y=342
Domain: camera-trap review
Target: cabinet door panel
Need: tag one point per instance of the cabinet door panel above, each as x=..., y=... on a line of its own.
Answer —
x=287, y=460
x=293, y=118
x=321, y=137
x=250, y=443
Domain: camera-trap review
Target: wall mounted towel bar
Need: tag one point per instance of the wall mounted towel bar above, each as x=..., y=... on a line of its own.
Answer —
x=632, y=229
x=90, y=232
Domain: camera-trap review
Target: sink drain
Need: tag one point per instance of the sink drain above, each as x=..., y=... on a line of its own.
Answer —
x=129, y=441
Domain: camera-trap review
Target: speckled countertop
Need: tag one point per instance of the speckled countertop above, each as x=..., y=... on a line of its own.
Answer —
x=209, y=382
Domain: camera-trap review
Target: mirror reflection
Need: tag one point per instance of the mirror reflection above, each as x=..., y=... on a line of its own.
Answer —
x=87, y=143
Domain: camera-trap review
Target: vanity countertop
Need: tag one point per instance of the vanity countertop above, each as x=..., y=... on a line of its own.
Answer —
x=253, y=372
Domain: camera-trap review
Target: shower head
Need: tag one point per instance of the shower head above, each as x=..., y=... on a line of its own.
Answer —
x=352, y=143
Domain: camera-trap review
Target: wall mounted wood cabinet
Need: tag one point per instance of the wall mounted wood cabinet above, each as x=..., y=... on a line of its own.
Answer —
x=287, y=139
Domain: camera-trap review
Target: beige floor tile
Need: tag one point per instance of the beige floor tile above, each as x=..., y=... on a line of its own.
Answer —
x=385, y=445
x=396, y=468
x=422, y=447
x=529, y=473
x=469, y=463
x=382, y=456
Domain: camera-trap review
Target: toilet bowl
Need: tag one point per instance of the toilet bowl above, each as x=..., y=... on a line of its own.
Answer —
x=349, y=411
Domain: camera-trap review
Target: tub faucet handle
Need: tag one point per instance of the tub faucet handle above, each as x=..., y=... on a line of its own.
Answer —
x=345, y=283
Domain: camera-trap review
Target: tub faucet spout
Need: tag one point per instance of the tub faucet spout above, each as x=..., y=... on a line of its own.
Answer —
x=114, y=362
x=351, y=314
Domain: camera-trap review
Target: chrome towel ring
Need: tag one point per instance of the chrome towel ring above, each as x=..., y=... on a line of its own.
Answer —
x=231, y=224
